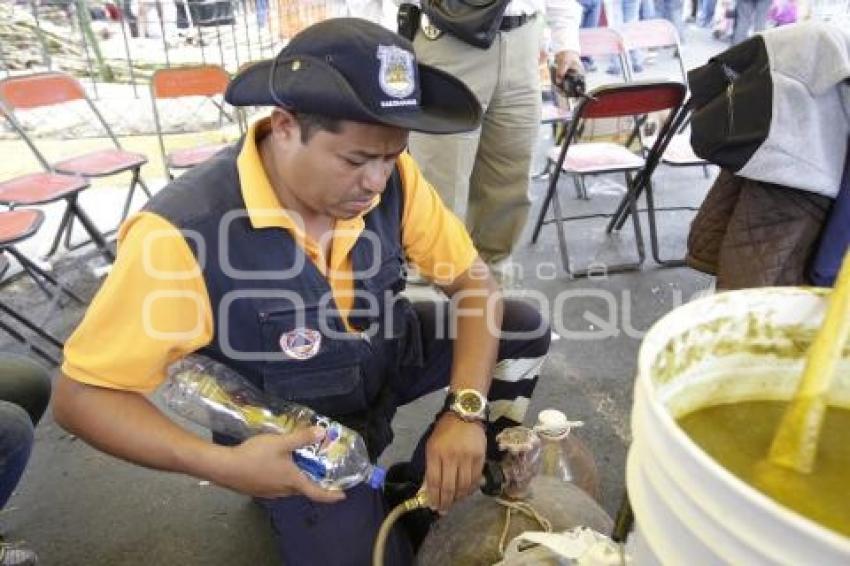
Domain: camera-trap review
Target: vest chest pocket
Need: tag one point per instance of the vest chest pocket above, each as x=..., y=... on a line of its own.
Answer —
x=331, y=391
x=319, y=363
x=390, y=275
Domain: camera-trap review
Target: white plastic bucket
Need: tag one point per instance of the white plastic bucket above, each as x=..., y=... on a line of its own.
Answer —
x=734, y=346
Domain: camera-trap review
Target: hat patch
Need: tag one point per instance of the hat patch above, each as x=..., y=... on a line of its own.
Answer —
x=396, y=75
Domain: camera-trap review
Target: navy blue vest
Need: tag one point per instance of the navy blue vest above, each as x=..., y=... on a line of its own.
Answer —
x=262, y=287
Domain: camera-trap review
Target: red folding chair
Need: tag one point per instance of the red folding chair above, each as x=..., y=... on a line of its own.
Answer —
x=11, y=331
x=41, y=90
x=643, y=184
x=17, y=226
x=208, y=81
x=43, y=188
x=613, y=101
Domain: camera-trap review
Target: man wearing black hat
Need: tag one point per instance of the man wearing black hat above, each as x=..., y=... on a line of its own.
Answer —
x=282, y=258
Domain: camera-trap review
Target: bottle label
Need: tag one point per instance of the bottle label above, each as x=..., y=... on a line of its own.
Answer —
x=306, y=459
x=313, y=459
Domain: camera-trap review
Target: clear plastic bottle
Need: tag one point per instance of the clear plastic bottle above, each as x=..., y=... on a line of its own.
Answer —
x=563, y=455
x=218, y=398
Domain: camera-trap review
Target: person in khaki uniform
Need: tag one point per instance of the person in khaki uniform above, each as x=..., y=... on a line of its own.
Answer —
x=483, y=175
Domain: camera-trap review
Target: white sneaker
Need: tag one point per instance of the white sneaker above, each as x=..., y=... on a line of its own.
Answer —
x=15, y=555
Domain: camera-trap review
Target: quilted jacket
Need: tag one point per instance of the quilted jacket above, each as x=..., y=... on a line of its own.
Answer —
x=754, y=234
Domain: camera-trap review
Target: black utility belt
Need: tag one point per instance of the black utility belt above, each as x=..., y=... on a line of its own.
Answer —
x=508, y=23
x=513, y=22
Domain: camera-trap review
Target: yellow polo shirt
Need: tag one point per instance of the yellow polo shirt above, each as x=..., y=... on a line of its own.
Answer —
x=153, y=307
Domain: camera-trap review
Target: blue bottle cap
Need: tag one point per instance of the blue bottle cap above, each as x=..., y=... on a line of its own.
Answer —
x=376, y=479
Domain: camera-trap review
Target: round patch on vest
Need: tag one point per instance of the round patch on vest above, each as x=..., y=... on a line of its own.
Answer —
x=301, y=343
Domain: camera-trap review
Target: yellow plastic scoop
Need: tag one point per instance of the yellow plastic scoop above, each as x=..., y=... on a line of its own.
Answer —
x=796, y=442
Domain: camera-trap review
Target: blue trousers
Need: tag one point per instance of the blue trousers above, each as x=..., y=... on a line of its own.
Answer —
x=591, y=10
x=24, y=393
x=343, y=533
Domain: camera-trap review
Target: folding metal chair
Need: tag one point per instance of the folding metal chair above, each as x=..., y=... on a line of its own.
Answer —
x=209, y=81
x=27, y=92
x=17, y=226
x=612, y=101
x=4, y=267
x=43, y=188
x=660, y=33
x=643, y=184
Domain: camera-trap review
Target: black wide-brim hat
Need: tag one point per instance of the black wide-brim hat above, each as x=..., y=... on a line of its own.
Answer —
x=353, y=69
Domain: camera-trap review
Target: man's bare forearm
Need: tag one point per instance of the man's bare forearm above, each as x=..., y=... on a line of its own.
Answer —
x=477, y=319
x=127, y=425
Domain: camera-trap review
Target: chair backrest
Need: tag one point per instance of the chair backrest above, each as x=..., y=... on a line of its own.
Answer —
x=209, y=81
x=601, y=41
x=201, y=80
x=645, y=34
x=631, y=99
x=27, y=92
x=598, y=42
x=40, y=89
x=648, y=34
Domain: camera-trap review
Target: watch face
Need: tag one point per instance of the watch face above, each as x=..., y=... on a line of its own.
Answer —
x=469, y=402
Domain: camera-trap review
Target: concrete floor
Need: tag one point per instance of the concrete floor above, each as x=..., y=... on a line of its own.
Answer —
x=76, y=506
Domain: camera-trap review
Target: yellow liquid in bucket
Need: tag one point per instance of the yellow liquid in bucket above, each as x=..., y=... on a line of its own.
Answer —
x=738, y=436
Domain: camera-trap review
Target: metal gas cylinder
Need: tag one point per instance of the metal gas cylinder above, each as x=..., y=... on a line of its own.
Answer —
x=469, y=534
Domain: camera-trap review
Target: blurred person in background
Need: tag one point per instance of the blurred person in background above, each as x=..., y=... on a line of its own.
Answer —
x=749, y=14
x=483, y=176
x=24, y=394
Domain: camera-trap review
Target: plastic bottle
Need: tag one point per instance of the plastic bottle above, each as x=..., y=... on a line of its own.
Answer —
x=564, y=456
x=218, y=398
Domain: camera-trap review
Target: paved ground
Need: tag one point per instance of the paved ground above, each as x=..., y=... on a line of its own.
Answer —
x=78, y=507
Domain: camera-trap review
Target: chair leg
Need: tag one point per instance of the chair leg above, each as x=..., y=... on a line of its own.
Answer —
x=631, y=194
x=95, y=234
x=562, y=237
x=29, y=324
x=653, y=232
x=20, y=338
x=34, y=276
x=63, y=227
x=621, y=214
x=144, y=186
x=541, y=216
x=129, y=200
x=29, y=265
x=577, y=183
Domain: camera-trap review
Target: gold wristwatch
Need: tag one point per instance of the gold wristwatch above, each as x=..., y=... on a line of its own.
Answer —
x=468, y=404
